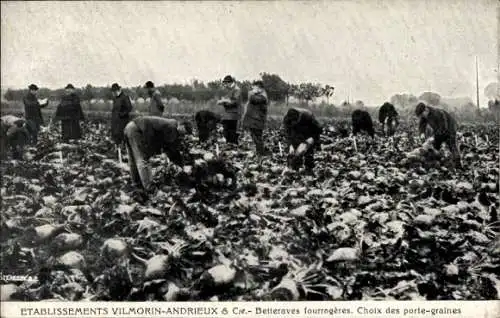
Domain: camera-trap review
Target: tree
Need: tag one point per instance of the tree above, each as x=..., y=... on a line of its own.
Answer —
x=494, y=108
x=492, y=91
x=359, y=104
x=9, y=95
x=430, y=98
x=88, y=93
x=215, y=87
x=276, y=88
x=245, y=88
x=141, y=92
x=327, y=91
x=308, y=92
x=292, y=90
x=404, y=100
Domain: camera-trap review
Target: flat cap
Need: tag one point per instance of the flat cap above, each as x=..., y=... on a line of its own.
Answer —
x=228, y=79
x=115, y=87
x=69, y=86
x=33, y=87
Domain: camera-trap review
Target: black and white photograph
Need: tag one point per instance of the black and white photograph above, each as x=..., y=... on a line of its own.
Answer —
x=215, y=151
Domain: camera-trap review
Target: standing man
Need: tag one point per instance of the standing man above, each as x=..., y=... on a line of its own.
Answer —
x=303, y=132
x=255, y=116
x=156, y=106
x=70, y=113
x=388, y=117
x=444, y=128
x=231, y=102
x=33, y=112
x=120, y=115
x=147, y=136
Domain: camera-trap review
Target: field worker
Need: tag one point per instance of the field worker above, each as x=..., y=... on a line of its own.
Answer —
x=303, y=132
x=120, y=114
x=255, y=116
x=206, y=123
x=70, y=113
x=388, y=117
x=14, y=136
x=362, y=121
x=231, y=101
x=147, y=136
x=33, y=112
x=156, y=106
x=444, y=128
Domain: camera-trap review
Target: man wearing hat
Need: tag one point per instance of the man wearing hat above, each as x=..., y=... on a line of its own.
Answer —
x=303, y=132
x=255, y=116
x=33, y=112
x=147, y=136
x=231, y=101
x=156, y=106
x=70, y=113
x=444, y=128
x=120, y=114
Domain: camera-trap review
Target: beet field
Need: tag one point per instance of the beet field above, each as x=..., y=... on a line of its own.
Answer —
x=378, y=221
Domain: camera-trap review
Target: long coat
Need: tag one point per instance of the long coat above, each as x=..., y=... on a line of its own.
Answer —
x=256, y=110
x=32, y=110
x=120, y=116
x=441, y=122
x=387, y=111
x=156, y=106
x=70, y=113
x=232, y=109
x=206, y=122
x=300, y=125
x=158, y=134
x=14, y=135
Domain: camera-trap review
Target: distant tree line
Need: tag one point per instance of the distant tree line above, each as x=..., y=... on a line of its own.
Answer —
x=278, y=91
x=197, y=91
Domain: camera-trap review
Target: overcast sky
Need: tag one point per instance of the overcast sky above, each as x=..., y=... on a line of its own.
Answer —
x=372, y=49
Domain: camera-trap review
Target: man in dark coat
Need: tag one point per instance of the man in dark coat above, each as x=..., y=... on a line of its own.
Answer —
x=120, y=115
x=33, y=112
x=70, y=113
x=231, y=101
x=444, y=127
x=303, y=133
x=255, y=116
x=14, y=135
x=388, y=117
x=206, y=123
x=156, y=106
x=362, y=121
x=147, y=136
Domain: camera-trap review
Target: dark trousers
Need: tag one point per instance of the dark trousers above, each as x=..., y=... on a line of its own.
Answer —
x=389, y=128
x=231, y=131
x=203, y=134
x=451, y=142
x=307, y=160
x=258, y=140
x=33, y=129
x=205, y=130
